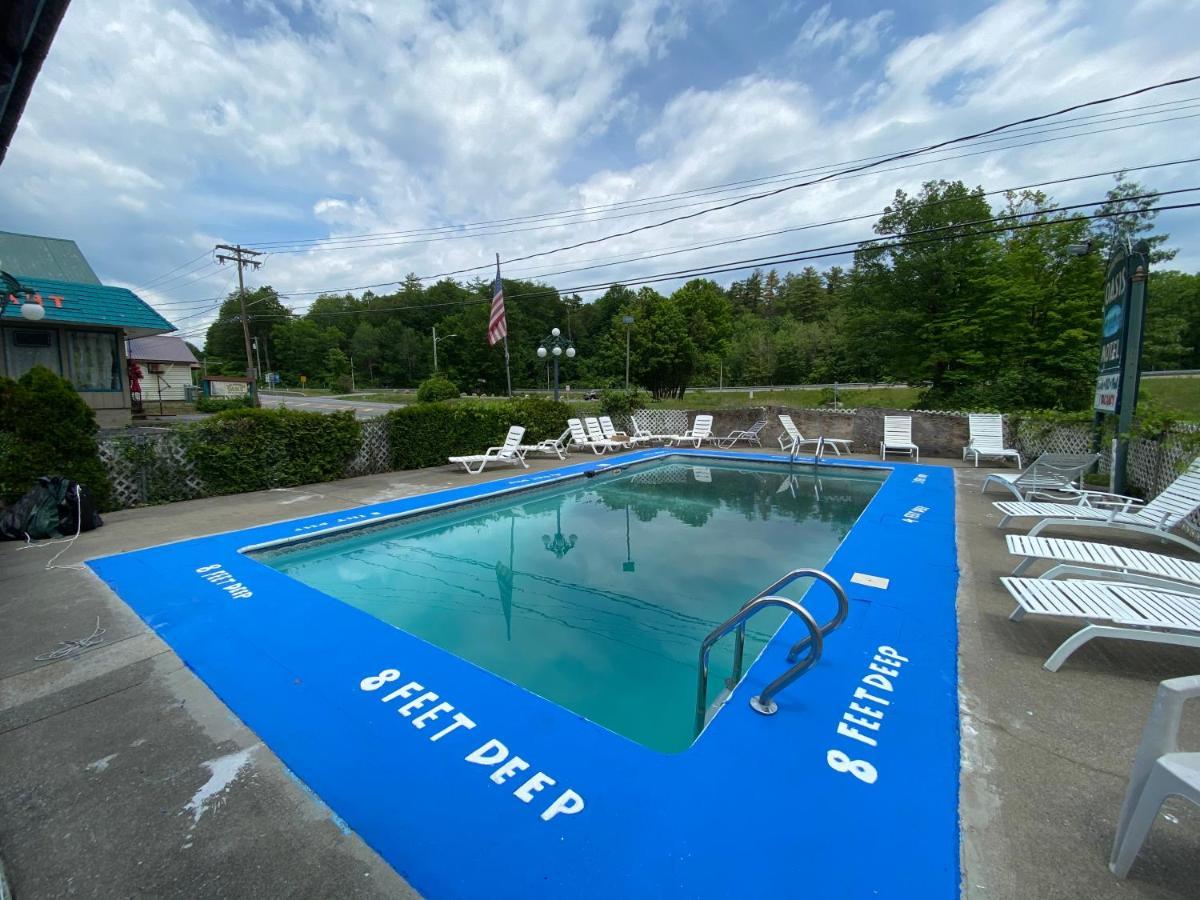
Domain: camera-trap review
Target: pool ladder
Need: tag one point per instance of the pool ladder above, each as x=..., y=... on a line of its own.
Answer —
x=764, y=702
x=818, y=454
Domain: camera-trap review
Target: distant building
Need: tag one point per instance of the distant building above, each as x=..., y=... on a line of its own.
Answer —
x=167, y=364
x=80, y=328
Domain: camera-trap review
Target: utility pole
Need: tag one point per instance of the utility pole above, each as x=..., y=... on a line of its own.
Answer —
x=434, y=349
x=257, y=355
x=237, y=254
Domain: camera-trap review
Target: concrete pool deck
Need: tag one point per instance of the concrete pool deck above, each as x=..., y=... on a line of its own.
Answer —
x=122, y=774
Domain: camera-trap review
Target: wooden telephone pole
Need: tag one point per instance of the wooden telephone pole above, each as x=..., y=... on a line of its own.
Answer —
x=243, y=258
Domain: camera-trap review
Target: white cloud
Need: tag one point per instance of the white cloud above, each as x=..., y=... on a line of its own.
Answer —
x=154, y=134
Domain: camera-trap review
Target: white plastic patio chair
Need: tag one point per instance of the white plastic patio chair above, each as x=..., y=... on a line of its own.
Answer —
x=579, y=438
x=557, y=446
x=700, y=431
x=1095, y=509
x=1105, y=561
x=1132, y=612
x=986, y=438
x=610, y=433
x=509, y=452
x=897, y=437
x=749, y=435
x=1049, y=472
x=791, y=438
x=1159, y=771
x=597, y=436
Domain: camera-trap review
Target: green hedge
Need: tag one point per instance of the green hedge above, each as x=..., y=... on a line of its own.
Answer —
x=436, y=388
x=221, y=404
x=47, y=429
x=254, y=449
x=425, y=434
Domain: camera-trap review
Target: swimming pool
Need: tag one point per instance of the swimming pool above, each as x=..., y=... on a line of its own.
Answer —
x=470, y=784
x=597, y=595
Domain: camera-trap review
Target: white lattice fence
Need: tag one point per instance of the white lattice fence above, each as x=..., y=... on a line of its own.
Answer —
x=657, y=421
x=149, y=468
x=374, y=455
x=1033, y=438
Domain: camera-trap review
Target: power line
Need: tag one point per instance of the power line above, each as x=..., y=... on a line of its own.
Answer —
x=1107, y=172
x=831, y=250
x=349, y=240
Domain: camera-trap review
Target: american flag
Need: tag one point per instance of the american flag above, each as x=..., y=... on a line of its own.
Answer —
x=498, y=324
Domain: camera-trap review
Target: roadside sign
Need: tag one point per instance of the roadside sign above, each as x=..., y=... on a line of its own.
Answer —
x=304, y=379
x=1118, y=285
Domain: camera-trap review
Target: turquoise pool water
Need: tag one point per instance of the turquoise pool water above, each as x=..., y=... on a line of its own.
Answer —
x=596, y=594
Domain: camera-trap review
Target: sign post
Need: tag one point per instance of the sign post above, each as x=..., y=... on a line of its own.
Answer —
x=1121, y=346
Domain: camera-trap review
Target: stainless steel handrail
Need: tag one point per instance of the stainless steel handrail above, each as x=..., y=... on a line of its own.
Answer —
x=762, y=703
x=839, y=617
x=793, y=652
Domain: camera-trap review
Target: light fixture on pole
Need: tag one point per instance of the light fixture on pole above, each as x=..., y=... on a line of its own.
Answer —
x=627, y=321
x=558, y=345
x=435, y=343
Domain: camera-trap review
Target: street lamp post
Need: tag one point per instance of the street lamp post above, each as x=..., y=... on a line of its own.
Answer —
x=557, y=346
x=628, y=322
x=435, y=343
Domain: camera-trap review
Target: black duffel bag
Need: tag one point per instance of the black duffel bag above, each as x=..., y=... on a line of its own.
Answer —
x=54, y=507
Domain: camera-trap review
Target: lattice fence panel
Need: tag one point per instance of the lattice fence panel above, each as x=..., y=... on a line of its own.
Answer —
x=149, y=468
x=375, y=454
x=1033, y=438
x=656, y=421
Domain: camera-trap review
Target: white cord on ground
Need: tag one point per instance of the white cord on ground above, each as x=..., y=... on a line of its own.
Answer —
x=30, y=545
x=66, y=648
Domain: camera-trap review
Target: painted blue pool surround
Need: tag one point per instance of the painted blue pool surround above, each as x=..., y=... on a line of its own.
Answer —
x=757, y=806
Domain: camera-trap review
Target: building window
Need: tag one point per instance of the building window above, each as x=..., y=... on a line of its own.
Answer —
x=95, y=361
x=28, y=347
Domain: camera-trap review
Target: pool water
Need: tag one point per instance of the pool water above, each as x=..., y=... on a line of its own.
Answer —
x=596, y=594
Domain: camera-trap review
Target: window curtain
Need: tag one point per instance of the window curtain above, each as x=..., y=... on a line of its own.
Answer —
x=95, y=363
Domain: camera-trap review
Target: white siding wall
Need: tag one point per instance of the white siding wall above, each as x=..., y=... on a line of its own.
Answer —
x=172, y=380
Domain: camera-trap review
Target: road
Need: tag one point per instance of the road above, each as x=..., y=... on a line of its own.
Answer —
x=361, y=409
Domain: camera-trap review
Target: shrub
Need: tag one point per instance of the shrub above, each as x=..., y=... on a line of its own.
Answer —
x=254, y=449
x=47, y=429
x=435, y=389
x=621, y=402
x=425, y=434
x=220, y=404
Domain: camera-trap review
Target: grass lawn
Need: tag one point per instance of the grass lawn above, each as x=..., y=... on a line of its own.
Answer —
x=1179, y=395
x=386, y=397
x=893, y=398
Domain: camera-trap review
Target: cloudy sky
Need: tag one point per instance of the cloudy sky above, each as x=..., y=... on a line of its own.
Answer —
x=161, y=127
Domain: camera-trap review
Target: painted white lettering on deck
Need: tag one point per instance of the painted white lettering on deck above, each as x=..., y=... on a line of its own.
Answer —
x=493, y=753
x=914, y=514
x=864, y=717
x=216, y=574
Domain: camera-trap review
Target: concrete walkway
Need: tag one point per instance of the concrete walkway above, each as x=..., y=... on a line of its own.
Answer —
x=121, y=774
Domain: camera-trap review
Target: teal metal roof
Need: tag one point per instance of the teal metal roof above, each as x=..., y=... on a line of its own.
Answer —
x=89, y=304
x=44, y=257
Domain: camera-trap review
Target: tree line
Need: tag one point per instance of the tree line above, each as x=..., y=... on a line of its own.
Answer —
x=983, y=306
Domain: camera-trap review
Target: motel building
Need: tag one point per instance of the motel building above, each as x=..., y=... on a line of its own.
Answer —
x=56, y=313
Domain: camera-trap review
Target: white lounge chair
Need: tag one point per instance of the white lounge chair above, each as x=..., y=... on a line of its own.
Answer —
x=509, y=452
x=1159, y=771
x=987, y=438
x=897, y=437
x=609, y=430
x=579, y=438
x=1050, y=472
x=597, y=436
x=557, y=446
x=749, y=435
x=791, y=438
x=700, y=431
x=644, y=436
x=1104, y=561
x=1096, y=509
x=1133, y=612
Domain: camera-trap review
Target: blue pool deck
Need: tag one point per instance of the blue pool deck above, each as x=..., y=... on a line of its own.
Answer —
x=470, y=786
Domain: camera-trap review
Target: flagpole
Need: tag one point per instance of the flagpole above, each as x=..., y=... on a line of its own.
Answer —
x=507, y=373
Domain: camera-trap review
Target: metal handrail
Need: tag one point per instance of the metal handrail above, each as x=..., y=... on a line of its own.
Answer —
x=839, y=617
x=762, y=703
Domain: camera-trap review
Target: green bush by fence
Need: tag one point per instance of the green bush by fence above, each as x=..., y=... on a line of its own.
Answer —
x=221, y=404
x=47, y=429
x=254, y=449
x=436, y=388
x=426, y=433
